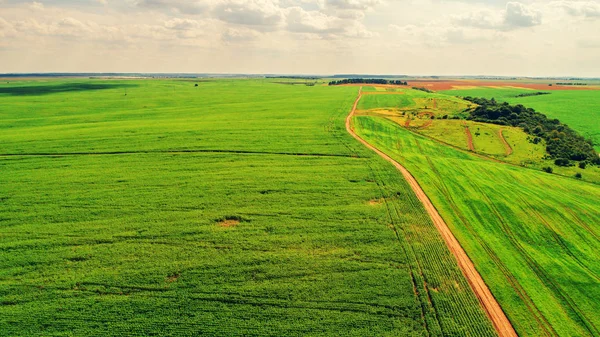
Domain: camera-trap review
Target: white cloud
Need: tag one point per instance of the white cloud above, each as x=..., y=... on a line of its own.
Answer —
x=589, y=9
x=515, y=15
x=239, y=35
x=352, y=4
x=180, y=6
x=38, y=6
x=250, y=12
x=323, y=25
x=520, y=15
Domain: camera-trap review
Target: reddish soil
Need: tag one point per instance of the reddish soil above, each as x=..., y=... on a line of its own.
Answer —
x=469, y=138
x=509, y=149
x=407, y=123
x=229, y=223
x=438, y=85
x=487, y=300
x=427, y=124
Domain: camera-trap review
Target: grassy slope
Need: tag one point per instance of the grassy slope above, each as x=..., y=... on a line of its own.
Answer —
x=130, y=244
x=534, y=237
x=414, y=100
x=578, y=109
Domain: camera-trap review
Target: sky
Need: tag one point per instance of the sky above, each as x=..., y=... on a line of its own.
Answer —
x=412, y=37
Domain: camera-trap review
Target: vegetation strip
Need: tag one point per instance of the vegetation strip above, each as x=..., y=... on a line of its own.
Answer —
x=491, y=306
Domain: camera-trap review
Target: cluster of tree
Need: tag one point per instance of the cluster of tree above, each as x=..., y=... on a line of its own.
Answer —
x=570, y=83
x=533, y=94
x=423, y=89
x=367, y=81
x=562, y=143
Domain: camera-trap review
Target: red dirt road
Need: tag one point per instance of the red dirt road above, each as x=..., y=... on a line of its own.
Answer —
x=487, y=300
x=509, y=149
x=469, y=138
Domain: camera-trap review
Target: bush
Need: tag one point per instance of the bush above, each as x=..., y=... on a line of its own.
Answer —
x=547, y=169
x=562, y=162
x=578, y=175
x=582, y=165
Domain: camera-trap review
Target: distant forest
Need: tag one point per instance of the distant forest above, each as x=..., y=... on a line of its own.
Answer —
x=562, y=143
x=367, y=81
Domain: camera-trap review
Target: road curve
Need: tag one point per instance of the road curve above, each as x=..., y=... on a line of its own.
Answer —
x=483, y=293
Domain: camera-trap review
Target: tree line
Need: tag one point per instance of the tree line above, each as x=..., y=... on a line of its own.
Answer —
x=563, y=144
x=367, y=81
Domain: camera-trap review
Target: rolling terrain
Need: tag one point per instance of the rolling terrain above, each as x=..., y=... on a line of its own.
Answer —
x=533, y=236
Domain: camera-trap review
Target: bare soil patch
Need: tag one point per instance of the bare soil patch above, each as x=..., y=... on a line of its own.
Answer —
x=228, y=223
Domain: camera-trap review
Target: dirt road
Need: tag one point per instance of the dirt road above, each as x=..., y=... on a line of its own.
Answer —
x=487, y=300
x=469, y=137
x=509, y=149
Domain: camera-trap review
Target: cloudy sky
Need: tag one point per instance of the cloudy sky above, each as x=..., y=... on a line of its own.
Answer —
x=426, y=37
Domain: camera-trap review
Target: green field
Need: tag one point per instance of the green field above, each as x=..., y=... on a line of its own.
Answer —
x=534, y=237
x=414, y=101
x=577, y=108
x=235, y=208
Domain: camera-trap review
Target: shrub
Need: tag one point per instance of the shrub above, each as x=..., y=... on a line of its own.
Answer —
x=578, y=175
x=562, y=162
x=582, y=165
x=547, y=169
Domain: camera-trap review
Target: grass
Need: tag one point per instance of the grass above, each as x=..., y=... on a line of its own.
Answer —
x=534, y=237
x=576, y=108
x=113, y=199
x=414, y=101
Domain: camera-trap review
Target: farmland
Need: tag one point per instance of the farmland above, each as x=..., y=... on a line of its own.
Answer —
x=237, y=207
x=577, y=108
x=534, y=237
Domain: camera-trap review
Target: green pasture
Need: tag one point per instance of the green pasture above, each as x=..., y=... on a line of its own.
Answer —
x=533, y=236
x=113, y=195
x=580, y=109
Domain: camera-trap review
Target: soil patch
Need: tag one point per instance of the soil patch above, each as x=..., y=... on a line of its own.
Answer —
x=229, y=223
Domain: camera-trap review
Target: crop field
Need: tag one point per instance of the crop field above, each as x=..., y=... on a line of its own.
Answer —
x=432, y=115
x=414, y=101
x=577, y=108
x=534, y=237
x=243, y=208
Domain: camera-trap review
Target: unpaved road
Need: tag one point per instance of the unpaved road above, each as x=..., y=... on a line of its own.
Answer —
x=469, y=137
x=509, y=149
x=487, y=300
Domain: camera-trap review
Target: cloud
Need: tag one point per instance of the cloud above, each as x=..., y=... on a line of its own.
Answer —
x=239, y=35
x=181, y=24
x=515, y=15
x=250, y=12
x=436, y=35
x=352, y=4
x=181, y=6
x=519, y=15
x=323, y=25
x=588, y=9
x=36, y=6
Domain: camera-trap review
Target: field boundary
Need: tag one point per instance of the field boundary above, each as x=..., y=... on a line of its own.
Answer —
x=482, y=292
